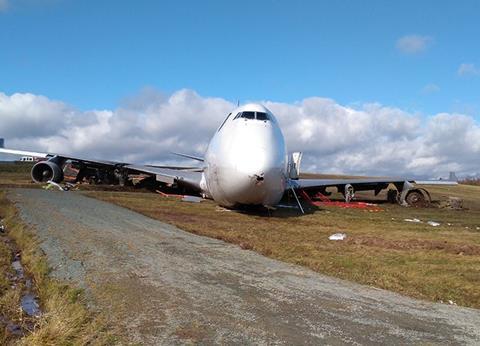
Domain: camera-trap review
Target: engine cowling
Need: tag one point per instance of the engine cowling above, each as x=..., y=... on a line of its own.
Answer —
x=46, y=171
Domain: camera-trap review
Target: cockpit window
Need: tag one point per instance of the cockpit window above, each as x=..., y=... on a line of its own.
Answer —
x=262, y=116
x=253, y=115
x=248, y=115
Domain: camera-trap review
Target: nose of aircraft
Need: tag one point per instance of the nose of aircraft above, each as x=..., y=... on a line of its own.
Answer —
x=258, y=166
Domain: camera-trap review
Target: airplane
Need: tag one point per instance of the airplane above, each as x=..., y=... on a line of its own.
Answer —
x=246, y=163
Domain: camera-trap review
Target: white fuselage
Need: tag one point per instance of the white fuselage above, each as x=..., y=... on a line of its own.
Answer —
x=246, y=160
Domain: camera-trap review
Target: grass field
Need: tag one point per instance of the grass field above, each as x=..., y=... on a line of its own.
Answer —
x=15, y=174
x=382, y=249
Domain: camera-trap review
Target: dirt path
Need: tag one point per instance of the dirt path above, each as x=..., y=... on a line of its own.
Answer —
x=165, y=286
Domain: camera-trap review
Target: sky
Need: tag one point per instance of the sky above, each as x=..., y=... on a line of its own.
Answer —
x=379, y=73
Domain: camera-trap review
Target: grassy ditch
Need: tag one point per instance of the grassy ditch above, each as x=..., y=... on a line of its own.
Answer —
x=65, y=319
x=382, y=249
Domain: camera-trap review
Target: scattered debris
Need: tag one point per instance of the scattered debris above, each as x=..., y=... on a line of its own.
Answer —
x=321, y=200
x=451, y=302
x=51, y=184
x=168, y=194
x=455, y=203
x=221, y=209
x=413, y=220
x=433, y=223
x=287, y=206
x=2, y=228
x=192, y=199
x=338, y=236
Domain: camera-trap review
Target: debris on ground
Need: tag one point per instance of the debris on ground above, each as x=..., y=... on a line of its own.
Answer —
x=184, y=198
x=168, y=194
x=433, y=223
x=455, y=203
x=192, y=199
x=321, y=200
x=51, y=184
x=413, y=220
x=338, y=236
x=287, y=206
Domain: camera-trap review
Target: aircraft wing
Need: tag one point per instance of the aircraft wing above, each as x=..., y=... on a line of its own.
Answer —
x=51, y=155
x=361, y=184
x=188, y=176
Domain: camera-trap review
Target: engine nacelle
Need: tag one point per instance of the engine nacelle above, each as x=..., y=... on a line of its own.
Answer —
x=46, y=171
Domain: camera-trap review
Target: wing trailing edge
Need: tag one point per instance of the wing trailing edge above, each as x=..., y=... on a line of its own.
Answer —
x=196, y=158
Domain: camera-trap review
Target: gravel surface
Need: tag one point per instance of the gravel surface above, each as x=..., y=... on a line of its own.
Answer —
x=166, y=286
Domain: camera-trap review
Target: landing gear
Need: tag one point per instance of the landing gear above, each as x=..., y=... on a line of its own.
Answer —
x=392, y=196
x=416, y=198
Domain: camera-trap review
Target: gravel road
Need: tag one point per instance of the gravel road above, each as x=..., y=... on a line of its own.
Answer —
x=162, y=285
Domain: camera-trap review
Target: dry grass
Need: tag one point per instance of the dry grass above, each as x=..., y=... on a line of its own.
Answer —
x=65, y=319
x=434, y=263
x=15, y=174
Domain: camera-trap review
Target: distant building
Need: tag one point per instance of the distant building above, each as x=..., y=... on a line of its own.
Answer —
x=452, y=177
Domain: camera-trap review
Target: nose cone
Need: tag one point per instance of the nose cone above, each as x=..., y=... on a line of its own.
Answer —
x=257, y=165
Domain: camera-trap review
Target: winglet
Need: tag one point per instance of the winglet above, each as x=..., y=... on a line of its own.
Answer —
x=2, y=143
x=189, y=156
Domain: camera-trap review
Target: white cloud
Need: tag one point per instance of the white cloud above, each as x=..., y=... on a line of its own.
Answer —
x=3, y=5
x=371, y=139
x=430, y=88
x=413, y=44
x=465, y=70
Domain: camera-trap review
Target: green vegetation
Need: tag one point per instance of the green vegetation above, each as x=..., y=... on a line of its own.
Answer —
x=65, y=319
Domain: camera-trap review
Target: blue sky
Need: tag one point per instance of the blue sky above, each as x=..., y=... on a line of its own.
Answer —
x=93, y=54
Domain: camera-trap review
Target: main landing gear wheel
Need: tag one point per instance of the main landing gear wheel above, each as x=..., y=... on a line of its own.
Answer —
x=416, y=198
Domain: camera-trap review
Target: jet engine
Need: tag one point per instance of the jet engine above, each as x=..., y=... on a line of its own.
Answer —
x=46, y=171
